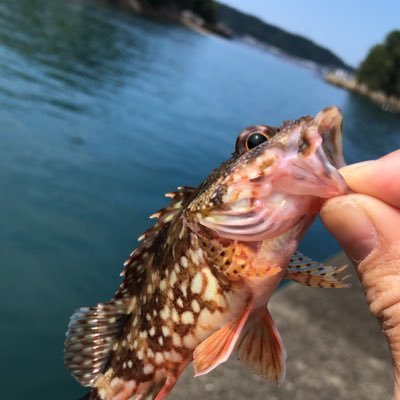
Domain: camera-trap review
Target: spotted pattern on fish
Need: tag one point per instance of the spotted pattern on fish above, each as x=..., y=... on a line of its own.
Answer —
x=169, y=308
x=197, y=286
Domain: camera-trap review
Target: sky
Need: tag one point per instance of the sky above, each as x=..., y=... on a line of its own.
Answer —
x=347, y=27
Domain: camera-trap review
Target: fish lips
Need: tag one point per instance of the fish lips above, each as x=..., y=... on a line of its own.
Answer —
x=313, y=170
x=328, y=123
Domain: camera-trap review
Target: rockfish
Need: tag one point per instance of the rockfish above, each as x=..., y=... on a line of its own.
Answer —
x=197, y=287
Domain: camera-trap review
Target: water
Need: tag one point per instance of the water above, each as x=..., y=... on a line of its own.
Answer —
x=100, y=114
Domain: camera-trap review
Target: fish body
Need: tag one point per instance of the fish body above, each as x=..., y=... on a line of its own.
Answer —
x=197, y=287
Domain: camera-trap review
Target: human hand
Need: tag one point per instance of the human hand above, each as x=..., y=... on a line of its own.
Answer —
x=367, y=226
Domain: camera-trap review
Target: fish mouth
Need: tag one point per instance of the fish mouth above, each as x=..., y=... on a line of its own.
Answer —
x=328, y=123
x=314, y=170
x=300, y=176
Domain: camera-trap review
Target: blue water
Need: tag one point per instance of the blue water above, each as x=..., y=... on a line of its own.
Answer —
x=100, y=114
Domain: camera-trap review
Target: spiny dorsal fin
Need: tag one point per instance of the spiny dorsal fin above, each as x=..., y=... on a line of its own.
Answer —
x=91, y=334
x=261, y=349
x=166, y=214
x=312, y=273
x=136, y=266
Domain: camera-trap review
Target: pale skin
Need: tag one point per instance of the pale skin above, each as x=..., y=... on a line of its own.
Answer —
x=367, y=226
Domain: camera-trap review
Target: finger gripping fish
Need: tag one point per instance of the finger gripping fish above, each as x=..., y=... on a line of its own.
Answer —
x=197, y=287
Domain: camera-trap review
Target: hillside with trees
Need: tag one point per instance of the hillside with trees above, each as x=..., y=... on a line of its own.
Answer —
x=381, y=68
x=292, y=44
x=229, y=22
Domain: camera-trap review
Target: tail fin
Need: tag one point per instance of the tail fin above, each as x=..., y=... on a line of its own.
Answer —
x=90, y=337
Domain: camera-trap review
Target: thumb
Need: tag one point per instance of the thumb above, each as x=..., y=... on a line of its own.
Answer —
x=361, y=224
x=369, y=232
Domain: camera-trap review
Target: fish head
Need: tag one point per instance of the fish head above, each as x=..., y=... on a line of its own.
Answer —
x=277, y=178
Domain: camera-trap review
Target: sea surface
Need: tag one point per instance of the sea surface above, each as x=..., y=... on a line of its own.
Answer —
x=101, y=113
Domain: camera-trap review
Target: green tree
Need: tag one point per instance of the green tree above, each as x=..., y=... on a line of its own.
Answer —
x=381, y=68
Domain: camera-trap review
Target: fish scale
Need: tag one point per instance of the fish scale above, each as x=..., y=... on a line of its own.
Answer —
x=175, y=307
x=197, y=286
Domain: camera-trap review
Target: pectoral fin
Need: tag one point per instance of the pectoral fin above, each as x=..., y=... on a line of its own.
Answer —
x=260, y=348
x=217, y=348
x=312, y=273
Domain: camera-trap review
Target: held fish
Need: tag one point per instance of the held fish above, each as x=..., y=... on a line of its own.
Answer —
x=197, y=287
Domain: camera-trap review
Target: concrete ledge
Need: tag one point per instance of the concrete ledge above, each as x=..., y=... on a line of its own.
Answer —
x=335, y=351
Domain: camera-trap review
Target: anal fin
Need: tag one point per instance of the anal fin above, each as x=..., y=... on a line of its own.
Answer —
x=312, y=273
x=163, y=390
x=155, y=389
x=261, y=349
x=217, y=348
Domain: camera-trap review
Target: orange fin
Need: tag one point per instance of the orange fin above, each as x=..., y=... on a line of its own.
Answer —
x=260, y=348
x=161, y=391
x=311, y=273
x=217, y=348
x=260, y=270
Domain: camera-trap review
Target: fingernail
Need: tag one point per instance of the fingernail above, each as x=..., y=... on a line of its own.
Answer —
x=348, y=222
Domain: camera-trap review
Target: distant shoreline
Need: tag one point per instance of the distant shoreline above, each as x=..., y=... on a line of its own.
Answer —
x=181, y=17
x=348, y=81
x=231, y=23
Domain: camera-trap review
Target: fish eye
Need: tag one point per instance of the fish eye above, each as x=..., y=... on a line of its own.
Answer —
x=255, y=139
x=253, y=136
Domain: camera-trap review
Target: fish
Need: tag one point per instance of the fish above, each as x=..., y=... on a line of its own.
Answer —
x=196, y=288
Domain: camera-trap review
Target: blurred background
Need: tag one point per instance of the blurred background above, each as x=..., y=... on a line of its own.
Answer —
x=107, y=105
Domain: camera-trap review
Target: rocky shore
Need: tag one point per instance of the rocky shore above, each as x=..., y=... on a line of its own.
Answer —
x=348, y=81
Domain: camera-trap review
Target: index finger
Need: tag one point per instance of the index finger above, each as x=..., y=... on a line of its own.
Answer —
x=379, y=178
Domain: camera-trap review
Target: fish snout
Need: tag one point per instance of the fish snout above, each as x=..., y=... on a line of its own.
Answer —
x=313, y=170
x=328, y=123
